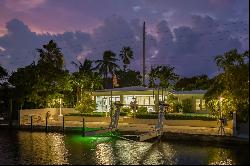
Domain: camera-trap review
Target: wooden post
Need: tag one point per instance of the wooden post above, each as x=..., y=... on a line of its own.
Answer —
x=63, y=125
x=46, y=125
x=234, y=124
x=83, y=127
x=31, y=123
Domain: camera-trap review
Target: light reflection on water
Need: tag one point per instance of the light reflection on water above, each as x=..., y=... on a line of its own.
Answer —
x=55, y=148
x=104, y=154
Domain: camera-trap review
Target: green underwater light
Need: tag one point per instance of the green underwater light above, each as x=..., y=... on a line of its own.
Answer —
x=86, y=129
x=96, y=139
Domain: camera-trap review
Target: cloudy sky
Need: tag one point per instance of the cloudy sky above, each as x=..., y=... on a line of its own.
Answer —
x=186, y=34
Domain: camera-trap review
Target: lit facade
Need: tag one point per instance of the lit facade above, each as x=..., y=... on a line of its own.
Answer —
x=146, y=97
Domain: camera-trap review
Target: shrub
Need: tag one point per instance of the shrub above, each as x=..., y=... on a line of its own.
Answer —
x=142, y=110
x=126, y=109
x=189, y=116
x=187, y=106
x=177, y=107
x=123, y=114
x=93, y=114
x=86, y=104
x=146, y=116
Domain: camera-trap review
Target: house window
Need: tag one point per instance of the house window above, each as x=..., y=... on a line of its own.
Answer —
x=198, y=104
x=203, y=104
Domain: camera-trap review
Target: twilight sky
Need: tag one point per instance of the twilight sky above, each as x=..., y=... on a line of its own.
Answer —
x=186, y=34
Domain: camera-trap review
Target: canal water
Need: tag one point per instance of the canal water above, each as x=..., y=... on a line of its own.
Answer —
x=23, y=147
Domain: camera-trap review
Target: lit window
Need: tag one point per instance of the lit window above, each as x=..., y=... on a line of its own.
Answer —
x=198, y=105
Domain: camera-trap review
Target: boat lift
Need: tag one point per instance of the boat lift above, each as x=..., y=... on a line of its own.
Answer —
x=113, y=124
x=158, y=131
x=159, y=126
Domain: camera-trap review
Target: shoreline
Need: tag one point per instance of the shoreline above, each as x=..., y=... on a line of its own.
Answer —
x=133, y=135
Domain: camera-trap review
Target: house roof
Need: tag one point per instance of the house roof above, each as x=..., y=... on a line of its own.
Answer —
x=131, y=88
x=190, y=92
x=141, y=88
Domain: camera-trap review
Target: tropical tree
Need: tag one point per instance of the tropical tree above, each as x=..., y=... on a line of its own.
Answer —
x=192, y=83
x=86, y=79
x=232, y=85
x=3, y=75
x=85, y=67
x=45, y=81
x=3, y=72
x=86, y=104
x=128, y=78
x=51, y=56
x=107, y=65
x=126, y=54
x=165, y=75
x=24, y=79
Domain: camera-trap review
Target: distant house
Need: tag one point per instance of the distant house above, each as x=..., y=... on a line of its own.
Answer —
x=146, y=97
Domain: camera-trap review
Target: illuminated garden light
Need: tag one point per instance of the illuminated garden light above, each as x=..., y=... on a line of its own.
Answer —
x=60, y=107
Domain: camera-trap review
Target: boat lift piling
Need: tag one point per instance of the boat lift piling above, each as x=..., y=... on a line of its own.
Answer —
x=158, y=127
x=113, y=124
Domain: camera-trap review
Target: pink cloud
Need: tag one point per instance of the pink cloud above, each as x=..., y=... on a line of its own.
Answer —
x=23, y=5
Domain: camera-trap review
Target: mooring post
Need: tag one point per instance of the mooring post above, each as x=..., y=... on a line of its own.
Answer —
x=31, y=123
x=46, y=125
x=234, y=124
x=83, y=127
x=63, y=125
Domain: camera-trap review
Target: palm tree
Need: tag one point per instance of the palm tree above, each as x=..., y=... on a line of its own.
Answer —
x=126, y=55
x=51, y=56
x=230, y=58
x=86, y=78
x=107, y=65
x=85, y=67
x=164, y=74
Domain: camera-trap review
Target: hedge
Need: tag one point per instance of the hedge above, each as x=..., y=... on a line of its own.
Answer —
x=187, y=116
x=94, y=114
x=178, y=116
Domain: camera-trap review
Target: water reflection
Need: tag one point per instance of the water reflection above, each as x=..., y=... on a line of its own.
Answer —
x=104, y=154
x=44, y=148
x=58, y=151
x=220, y=157
x=131, y=152
x=55, y=148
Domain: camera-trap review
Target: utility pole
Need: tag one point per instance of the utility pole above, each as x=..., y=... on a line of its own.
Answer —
x=143, y=59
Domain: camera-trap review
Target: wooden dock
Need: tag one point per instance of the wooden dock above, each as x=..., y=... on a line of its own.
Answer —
x=149, y=135
x=96, y=132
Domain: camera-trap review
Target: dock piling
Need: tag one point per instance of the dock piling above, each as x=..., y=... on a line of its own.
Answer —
x=83, y=127
x=31, y=123
x=46, y=125
x=63, y=125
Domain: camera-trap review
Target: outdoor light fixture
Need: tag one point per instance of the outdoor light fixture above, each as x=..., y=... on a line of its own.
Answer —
x=60, y=107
